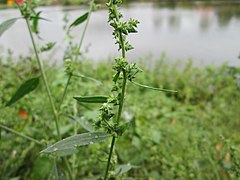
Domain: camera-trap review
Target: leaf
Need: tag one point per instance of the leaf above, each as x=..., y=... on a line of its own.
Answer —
x=27, y=87
x=91, y=99
x=64, y=129
x=79, y=20
x=35, y=22
x=153, y=88
x=70, y=144
x=116, y=76
x=6, y=25
x=68, y=152
x=88, y=78
x=85, y=124
x=48, y=46
x=124, y=168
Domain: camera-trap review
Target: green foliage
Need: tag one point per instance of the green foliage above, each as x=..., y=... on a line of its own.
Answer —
x=68, y=146
x=6, y=25
x=27, y=87
x=123, y=169
x=79, y=20
x=169, y=135
x=91, y=99
x=47, y=47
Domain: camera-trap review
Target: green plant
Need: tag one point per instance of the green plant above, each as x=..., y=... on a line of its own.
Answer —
x=169, y=136
x=32, y=17
x=111, y=110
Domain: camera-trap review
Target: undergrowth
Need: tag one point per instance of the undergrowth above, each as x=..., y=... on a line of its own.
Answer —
x=191, y=135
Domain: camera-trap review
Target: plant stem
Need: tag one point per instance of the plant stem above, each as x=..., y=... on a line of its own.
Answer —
x=54, y=110
x=118, y=118
x=20, y=134
x=84, y=30
x=120, y=107
x=65, y=91
x=109, y=157
x=122, y=97
x=44, y=80
x=69, y=170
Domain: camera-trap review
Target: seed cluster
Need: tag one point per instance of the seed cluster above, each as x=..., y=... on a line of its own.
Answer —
x=123, y=70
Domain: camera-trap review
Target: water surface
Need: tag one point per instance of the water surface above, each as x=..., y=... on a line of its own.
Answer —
x=207, y=33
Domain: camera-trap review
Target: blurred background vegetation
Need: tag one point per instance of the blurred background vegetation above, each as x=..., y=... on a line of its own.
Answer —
x=193, y=134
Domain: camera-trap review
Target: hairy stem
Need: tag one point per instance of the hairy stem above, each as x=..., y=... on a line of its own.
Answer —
x=44, y=80
x=20, y=134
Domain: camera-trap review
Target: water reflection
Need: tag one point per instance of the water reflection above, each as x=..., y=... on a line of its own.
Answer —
x=223, y=11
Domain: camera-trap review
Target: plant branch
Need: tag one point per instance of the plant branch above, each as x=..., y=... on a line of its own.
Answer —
x=65, y=90
x=20, y=134
x=44, y=80
x=84, y=30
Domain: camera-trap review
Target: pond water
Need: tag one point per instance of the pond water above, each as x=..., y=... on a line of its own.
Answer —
x=207, y=33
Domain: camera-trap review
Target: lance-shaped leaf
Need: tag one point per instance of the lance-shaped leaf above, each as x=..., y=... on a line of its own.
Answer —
x=6, y=25
x=23, y=90
x=79, y=20
x=66, y=152
x=153, y=88
x=48, y=46
x=71, y=143
x=91, y=99
x=124, y=168
x=84, y=123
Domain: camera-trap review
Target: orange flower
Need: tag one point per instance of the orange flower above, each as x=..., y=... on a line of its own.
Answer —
x=23, y=114
x=218, y=146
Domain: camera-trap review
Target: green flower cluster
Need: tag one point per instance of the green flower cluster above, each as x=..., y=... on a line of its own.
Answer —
x=121, y=29
x=28, y=12
x=123, y=71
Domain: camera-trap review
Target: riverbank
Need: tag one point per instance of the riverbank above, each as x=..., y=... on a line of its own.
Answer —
x=193, y=134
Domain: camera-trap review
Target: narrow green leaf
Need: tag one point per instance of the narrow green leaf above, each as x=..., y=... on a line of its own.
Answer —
x=48, y=46
x=153, y=88
x=64, y=129
x=123, y=169
x=84, y=123
x=68, y=145
x=116, y=76
x=79, y=20
x=88, y=78
x=6, y=25
x=91, y=99
x=23, y=90
x=35, y=22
